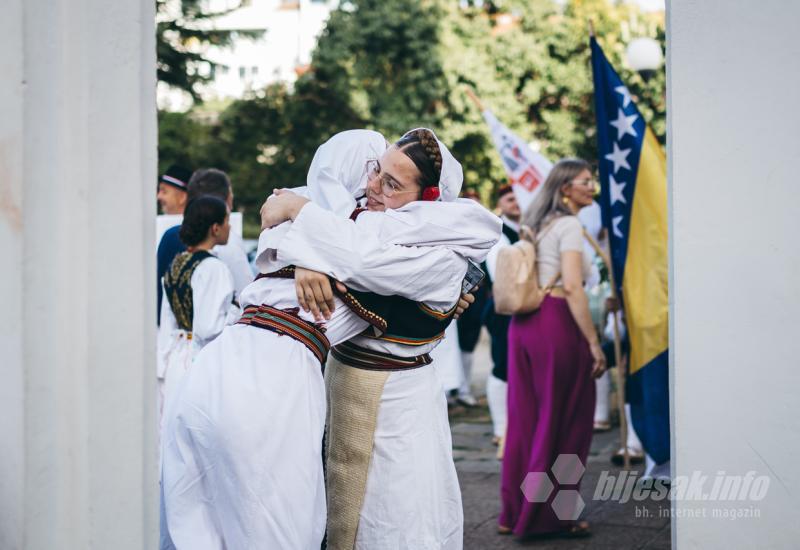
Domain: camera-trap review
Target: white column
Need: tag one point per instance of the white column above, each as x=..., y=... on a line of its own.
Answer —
x=78, y=159
x=735, y=273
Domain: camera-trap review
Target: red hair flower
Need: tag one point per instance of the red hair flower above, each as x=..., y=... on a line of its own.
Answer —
x=430, y=193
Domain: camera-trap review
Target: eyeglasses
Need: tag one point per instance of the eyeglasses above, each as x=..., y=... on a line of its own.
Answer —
x=389, y=186
x=590, y=183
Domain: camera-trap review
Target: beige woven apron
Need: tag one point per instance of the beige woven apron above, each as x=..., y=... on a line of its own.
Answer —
x=354, y=397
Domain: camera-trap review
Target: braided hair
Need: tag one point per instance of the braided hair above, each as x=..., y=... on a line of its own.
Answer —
x=422, y=148
x=200, y=214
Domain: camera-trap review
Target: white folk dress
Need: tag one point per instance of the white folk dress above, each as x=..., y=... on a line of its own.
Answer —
x=212, y=308
x=408, y=494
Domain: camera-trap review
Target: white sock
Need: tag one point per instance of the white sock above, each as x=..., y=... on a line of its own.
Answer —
x=602, y=406
x=466, y=364
x=496, y=396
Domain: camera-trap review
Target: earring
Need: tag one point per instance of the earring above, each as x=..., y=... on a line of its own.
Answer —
x=565, y=200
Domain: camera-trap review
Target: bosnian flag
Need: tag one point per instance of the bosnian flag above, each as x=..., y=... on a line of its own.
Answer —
x=526, y=169
x=633, y=174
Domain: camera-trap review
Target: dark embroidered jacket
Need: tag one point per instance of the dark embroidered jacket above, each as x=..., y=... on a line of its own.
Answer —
x=178, y=286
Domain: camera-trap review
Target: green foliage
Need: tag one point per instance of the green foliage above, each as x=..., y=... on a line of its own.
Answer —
x=391, y=66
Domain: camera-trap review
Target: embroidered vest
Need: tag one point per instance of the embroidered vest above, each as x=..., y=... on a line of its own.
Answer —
x=178, y=286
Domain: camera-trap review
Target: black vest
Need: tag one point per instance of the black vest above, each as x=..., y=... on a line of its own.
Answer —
x=178, y=286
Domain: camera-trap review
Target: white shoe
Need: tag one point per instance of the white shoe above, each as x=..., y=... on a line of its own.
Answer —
x=467, y=399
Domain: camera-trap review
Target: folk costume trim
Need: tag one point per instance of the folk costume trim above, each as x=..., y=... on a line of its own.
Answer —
x=347, y=297
x=352, y=355
x=393, y=318
x=178, y=286
x=289, y=324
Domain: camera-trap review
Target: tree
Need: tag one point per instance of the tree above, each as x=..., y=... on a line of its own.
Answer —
x=183, y=31
x=391, y=66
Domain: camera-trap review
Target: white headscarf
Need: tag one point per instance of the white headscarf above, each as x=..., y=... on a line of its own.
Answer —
x=338, y=173
x=452, y=175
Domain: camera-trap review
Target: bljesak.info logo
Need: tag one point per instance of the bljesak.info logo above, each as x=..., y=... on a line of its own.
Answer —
x=734, y=496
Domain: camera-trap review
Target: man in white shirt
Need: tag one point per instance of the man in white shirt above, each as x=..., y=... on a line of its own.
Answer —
x=497, y=325
x=210, y=181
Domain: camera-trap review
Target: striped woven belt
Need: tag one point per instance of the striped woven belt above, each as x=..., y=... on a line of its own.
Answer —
x=362, y=358
x=284, y=322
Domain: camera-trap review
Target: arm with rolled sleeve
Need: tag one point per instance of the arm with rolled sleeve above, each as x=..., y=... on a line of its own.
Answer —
x=353, y=253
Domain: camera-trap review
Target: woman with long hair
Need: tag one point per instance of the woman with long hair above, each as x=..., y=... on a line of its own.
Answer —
x=554, y=354
x=198, y=291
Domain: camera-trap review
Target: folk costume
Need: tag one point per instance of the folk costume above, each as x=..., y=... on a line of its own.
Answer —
x=197, y=304
x=242, y=455
x=390, y=474
x=497, y=325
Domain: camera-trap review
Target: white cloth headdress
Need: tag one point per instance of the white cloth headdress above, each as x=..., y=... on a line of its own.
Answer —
x=452, y=175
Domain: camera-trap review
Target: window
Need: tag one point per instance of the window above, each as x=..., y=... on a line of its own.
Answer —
x=254, y=70
x=242, y=71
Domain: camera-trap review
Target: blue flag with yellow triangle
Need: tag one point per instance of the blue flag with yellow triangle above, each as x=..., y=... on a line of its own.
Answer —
x=633, y=174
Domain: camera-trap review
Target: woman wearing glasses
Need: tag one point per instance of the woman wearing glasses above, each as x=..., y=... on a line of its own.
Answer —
x=553, y=356
x=242, y=453
x=391, y=480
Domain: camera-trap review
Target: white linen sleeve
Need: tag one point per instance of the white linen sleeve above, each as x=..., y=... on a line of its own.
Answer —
x=234, y=256
x=212, y=294
x=167, y=324
x=354, y=254
x=491, y=258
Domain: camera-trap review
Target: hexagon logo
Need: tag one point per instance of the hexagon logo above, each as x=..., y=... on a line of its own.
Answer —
x=568, y=469
x=568, y=505
x=536, y=486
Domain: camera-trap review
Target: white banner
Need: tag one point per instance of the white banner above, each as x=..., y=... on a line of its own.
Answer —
x=526, y=168
x=165, y=221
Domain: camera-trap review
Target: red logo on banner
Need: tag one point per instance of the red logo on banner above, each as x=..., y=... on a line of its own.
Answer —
x=529, y=179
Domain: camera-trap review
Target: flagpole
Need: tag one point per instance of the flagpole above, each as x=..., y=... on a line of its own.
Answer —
x=623, y=419
x=475, y=99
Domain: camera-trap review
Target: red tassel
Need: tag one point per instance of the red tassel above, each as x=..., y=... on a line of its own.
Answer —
x=430, y=193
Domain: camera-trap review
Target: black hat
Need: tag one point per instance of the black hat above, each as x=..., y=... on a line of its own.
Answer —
x=177, y=176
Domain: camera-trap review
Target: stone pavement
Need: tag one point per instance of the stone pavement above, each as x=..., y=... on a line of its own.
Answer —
x=613, y=525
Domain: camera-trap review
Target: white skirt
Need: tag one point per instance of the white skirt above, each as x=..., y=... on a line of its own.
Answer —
x=242, y=447
x=412, y=499
x=447, y=360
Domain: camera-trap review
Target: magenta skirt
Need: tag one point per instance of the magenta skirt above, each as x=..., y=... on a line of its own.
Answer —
x=551, y=397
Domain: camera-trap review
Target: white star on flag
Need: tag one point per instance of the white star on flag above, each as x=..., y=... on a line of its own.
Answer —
x=619, y=157
x=626, y=95
x=624, y=124
x=617, y=231
x=616, y=190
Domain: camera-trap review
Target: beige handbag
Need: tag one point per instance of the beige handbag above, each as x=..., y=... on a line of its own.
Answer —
x=516, y=287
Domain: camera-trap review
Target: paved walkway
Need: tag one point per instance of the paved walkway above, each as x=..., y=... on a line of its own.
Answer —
x=634, y=525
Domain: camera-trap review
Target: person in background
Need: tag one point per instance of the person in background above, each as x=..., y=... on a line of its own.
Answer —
x=469, y=330
x=172, y=197
x=172, y=189
x=635, y=452
x=198, y=293
x=597, y=291
x=216, y=183
x=554, y=355
x=497, y=325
